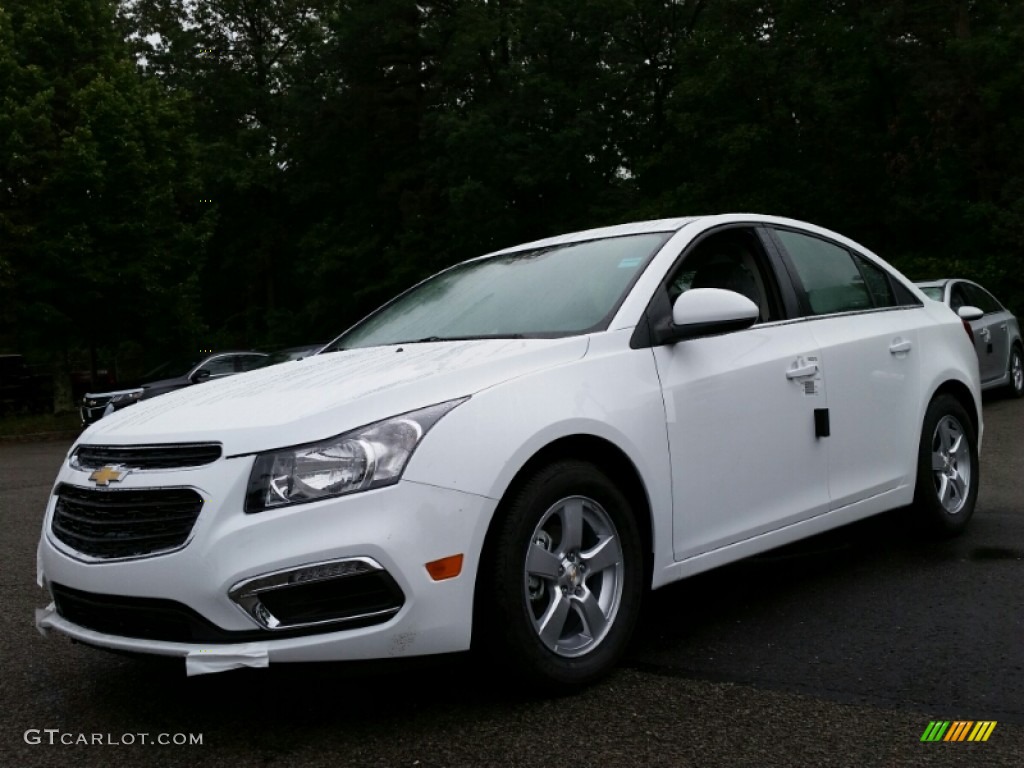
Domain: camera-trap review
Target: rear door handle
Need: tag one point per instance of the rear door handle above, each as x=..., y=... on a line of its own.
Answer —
x=802, y=371
x=900, y=346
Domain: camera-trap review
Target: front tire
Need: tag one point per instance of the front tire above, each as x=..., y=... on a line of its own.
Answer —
x=947, y=468
x=562, y=591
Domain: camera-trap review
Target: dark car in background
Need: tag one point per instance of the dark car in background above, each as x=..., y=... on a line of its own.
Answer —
x=168, y=377
x=996, y=333
x=291, y=353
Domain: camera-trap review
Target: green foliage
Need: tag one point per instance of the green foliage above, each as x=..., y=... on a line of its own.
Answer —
x=101, y=232
x=265, y=173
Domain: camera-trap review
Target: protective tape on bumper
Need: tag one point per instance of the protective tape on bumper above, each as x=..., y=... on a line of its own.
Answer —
x=42, y=614
x=205, y=662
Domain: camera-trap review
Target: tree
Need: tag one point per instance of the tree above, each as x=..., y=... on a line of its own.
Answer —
x=99, y=209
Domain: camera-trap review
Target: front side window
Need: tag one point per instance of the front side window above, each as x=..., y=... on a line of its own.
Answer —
x=220, y=366
x=958, y=297
x=734, y=260
x=830, y=277
x=982, y=299
x=556, y=291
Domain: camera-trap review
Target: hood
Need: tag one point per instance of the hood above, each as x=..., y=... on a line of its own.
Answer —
x=307, y=400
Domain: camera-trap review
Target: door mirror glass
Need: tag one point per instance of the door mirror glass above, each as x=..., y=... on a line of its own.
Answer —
x=201, y=375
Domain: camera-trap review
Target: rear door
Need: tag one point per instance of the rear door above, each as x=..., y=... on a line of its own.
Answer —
x=867, y=331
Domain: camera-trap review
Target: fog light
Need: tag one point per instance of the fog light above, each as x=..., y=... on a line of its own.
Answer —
x=352, y=591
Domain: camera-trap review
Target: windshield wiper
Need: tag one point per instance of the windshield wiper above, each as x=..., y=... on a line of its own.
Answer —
x=427, y=339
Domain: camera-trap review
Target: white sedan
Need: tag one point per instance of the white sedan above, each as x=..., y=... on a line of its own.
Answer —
x=995, y=330
x=513, y=451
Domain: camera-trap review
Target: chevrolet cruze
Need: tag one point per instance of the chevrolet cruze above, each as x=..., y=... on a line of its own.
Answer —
x=513, y=451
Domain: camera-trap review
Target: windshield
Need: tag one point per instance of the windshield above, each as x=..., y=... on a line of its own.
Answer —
x=556, y=291
x=173, y=369
x=932, y=291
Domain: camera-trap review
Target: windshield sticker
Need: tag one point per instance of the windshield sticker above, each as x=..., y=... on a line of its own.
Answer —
x=632, y=261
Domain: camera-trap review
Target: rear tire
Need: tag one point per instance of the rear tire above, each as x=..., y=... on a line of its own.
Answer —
x=947, y=468
x=560, y=594
x=1016, y=370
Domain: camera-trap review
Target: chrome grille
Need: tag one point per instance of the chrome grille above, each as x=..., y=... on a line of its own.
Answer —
x=169, y=456
x=111, y=524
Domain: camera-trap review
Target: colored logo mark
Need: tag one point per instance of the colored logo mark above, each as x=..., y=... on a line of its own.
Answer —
x=108, y=475
x=958, y=730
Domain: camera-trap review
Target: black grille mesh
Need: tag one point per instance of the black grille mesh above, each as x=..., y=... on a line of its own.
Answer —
x=124, y=523
x=170, y=456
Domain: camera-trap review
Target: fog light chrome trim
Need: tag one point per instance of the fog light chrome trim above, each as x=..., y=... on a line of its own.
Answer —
x=246, y=593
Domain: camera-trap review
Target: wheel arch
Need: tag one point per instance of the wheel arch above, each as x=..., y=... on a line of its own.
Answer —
x=960, y=391
x=607, y=457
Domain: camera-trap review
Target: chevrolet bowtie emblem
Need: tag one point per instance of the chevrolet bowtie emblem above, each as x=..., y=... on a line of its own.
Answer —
x=108, y=475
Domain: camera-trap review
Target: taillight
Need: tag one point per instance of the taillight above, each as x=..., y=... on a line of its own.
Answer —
x=967, y=327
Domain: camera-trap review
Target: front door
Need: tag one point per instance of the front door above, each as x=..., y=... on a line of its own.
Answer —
x=740, y=407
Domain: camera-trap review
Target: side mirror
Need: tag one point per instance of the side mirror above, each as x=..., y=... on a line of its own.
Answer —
x=201, y=375
x=709, y=312
x=969, y=313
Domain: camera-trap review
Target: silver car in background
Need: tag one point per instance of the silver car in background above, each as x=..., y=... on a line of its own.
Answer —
x=996, y=333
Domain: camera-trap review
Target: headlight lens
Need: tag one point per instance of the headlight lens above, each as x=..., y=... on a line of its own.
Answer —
x=126, y=397
x=368, y=457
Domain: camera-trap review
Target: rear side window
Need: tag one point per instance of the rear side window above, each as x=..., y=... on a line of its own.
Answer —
x=249, y=362
x=830, y=277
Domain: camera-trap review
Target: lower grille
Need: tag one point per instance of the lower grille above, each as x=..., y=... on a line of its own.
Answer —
x=333, y=599
x=157, y=619
x=124, y=523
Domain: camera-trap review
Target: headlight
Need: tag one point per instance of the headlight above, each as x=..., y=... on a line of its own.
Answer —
x=123, y=398
x=368, y=457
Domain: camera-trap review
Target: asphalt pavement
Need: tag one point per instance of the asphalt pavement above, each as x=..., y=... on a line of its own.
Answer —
x=836, y=651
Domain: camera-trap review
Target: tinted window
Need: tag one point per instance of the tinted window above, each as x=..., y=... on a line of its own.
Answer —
x=248, y=362
x=981, y=299
x=958, y=297
x=732, y=260
x=932, y=291
x=878, y=283
x=220, y=366
x=829, y=275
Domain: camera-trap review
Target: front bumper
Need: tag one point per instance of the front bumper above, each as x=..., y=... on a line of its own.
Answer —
x=401, y=528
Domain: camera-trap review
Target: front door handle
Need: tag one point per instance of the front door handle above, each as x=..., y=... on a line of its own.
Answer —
x=899, y=346
x=985, y=334
x=802, y=371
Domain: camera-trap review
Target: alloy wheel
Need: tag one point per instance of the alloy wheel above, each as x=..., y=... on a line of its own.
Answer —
x=951, y=464
x=574, y=573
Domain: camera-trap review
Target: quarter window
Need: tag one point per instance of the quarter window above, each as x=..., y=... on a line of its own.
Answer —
x=878, y=283
x=829, y=275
